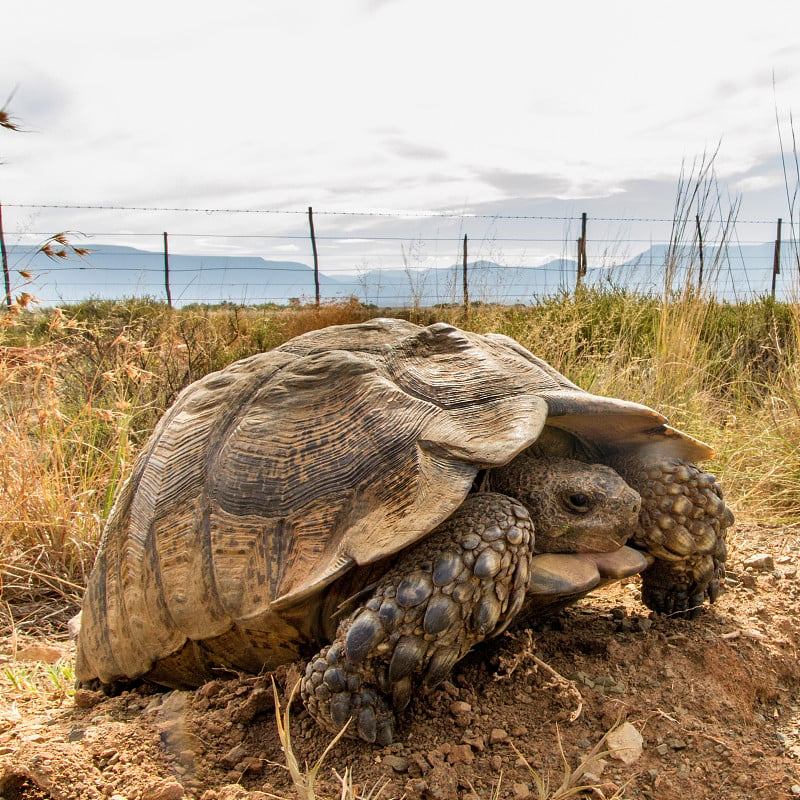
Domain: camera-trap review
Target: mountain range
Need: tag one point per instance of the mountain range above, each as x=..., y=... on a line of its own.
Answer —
x=115, y=272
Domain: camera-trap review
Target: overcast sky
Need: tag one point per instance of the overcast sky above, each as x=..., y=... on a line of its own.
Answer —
x=424, y=105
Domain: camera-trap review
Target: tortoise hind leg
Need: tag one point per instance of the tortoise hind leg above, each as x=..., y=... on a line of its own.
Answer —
x=682, y=524
x=463, y=583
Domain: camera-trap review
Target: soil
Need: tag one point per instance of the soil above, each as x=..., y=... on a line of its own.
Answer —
x=714, y=700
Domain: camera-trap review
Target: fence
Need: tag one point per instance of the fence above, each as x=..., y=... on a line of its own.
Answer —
x=386, y=258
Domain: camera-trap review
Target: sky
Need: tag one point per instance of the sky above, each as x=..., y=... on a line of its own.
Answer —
x=458, y=106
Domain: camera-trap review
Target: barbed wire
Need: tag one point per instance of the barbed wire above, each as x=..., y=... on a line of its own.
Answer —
x=399, y=214
x=507, y=262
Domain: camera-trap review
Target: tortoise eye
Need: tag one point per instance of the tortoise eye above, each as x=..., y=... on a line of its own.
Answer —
x=578, y=502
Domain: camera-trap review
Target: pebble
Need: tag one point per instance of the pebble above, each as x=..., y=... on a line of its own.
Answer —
x=164, y=790
x=625, y=743
x=85, y=698
x=233, y=756
x=763, y=562
x=497, y=735
x=458, y=708
x=461, y=754
x=677, y=744
x=521, y=790
x=397, y=763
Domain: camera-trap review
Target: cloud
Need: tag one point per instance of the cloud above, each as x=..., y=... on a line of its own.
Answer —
x=413, y=150
x=544, y=185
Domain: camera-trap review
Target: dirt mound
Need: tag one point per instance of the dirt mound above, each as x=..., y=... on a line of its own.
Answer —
x=713, y=702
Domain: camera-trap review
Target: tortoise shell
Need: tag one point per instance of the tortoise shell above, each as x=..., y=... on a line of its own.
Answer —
x=269, y=480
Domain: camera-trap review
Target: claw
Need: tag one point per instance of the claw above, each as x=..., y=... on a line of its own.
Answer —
x=401, y=694
x=408, y=656
x=367, y=724
x=385, y=733
x=340, y=709
x=440, y=665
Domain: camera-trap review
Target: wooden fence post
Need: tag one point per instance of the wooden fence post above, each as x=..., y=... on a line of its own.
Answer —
x=466, y=285
x=6, y=275
x=776, y=259
x=314, y=249
x=166, y=270
x=700, y=245
x=581, y=252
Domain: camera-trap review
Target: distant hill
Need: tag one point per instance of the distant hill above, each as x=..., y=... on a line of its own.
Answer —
x=112, y=271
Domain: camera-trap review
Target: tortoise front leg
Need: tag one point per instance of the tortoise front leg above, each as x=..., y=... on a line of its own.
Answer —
x=682, y=524
x=463, y=583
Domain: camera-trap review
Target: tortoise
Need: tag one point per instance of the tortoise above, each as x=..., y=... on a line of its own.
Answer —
x=377, y=498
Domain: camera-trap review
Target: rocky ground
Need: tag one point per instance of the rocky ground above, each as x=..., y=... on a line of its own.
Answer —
x=698, y=709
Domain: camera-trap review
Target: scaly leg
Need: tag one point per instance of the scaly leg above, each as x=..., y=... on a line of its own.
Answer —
x=463, y=583
x=682, y=523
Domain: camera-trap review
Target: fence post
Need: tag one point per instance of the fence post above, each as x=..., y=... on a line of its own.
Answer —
x=700, y=245
x=6, y=275
x=314, y=249
x=776, y=259
x=466, y=285
x=166, y=270
x=581, y=252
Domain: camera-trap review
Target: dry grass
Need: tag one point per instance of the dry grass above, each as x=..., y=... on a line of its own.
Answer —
x=81, y=388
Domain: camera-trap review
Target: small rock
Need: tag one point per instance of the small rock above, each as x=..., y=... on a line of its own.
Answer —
x=397, y=763
x=496, y=763
x=677, y=744
x=497, y=735
x=233, y=757
x=625, y=743
x=475, y=741
x=795, y=790
x=521, y=790
x=461, y=754
x=210, y=689
x=258, y=702
x=86, y=699
x=163, y=790
x=644, y=624
x=662, y=749
x=763, y=562
x=459, y=708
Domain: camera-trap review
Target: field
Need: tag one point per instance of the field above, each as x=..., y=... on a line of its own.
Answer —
x=82, y=387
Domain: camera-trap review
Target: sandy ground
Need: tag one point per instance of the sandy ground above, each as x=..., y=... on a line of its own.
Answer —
x=714, y=700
